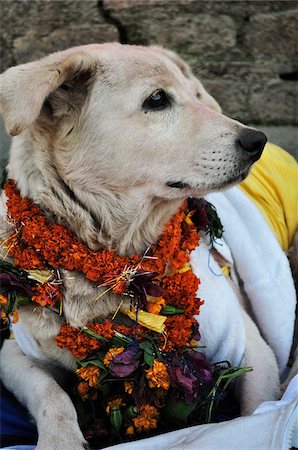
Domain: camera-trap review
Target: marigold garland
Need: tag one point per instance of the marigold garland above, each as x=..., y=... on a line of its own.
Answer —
x=147, y=370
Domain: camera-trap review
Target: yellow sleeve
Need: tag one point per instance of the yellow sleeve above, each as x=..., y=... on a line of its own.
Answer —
x=272, y=185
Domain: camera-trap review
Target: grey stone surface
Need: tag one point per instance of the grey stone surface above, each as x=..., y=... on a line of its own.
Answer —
x=274, y=102
x=273, y=33
x=33, y=28
x=59, y=39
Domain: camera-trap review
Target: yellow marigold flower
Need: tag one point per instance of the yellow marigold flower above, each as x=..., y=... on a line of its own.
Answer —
x=146, y=420
x=116, y=403
x=130, y=431
x=128, y=387
x=110, y=355
x=90, y=374
x=155, y=305
x=158, y=376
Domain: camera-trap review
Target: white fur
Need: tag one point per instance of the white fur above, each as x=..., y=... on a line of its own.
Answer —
x=79, y=125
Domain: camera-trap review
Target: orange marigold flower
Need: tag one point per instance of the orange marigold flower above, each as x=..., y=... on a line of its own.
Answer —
x=26, y=258
x=15, y=316
x=47, y=294
x=131, y=331
x=4, y=317
x=180, y=259
x=155, y=304
x=3, y=300
x=78, y=343
x=147, y=418
x=158, y=376
x=90, y=374
x=83, y=389
x=130, y=431
x=191, y=238
x=181, y=291
x=128, y=386
x=178, y=330
x=104, y=329
x=116, y=403
x=110, y=355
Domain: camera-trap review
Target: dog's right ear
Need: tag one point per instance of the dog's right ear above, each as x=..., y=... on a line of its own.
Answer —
x=24, y=88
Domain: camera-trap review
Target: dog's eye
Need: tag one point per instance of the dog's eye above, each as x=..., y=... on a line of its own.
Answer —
x=157, y=100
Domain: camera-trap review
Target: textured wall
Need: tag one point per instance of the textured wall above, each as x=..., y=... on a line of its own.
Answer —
x=245, y=52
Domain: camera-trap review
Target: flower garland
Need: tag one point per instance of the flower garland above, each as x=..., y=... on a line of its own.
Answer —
x=158, y=377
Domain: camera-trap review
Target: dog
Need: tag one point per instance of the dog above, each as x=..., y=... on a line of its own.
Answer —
x=109, y=140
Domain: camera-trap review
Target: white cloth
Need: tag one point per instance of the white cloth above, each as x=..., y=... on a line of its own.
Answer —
x=221, y=324
x=263, y=267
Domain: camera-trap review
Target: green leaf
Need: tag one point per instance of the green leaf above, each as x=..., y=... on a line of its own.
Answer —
x=170, y=310
x=94, y=362
x=130, y=413
x=179, y=411
x=93, y=334
x=23, y=300
x=116, y=419
x=149, y=353
x=121, y=340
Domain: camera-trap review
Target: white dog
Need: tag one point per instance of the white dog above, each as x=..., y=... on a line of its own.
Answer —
x=110, y=140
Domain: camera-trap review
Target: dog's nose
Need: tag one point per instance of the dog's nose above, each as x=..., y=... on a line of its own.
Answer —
x=252, y=141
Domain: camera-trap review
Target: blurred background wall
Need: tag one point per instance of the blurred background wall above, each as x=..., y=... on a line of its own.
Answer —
x=245, y=51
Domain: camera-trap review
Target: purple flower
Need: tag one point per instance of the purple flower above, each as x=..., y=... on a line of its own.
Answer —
x=126, y=363
x=199, y=365
x=200, y=208
x=196, y=333
x=143, y=285
x=185, y=382
x=12, y=282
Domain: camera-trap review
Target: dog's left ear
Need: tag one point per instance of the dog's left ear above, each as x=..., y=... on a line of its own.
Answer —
x=24, y=88
x=202, y=94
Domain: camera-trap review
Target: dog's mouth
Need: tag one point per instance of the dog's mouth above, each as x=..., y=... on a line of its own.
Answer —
x=235, y=179
x=177, y=184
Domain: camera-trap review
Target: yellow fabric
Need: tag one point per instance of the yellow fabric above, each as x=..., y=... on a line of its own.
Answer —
x=272, y=185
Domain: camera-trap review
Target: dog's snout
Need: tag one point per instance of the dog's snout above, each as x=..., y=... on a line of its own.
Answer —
x=252, y=141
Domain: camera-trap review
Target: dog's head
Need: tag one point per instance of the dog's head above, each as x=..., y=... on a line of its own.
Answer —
x=128, y=117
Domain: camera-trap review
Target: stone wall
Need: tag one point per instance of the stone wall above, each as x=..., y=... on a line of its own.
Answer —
x=245, y=51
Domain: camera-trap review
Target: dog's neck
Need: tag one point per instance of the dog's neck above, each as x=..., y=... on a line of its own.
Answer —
x=126, y=220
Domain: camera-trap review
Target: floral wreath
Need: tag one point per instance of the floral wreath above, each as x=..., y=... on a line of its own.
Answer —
x=131, y=380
